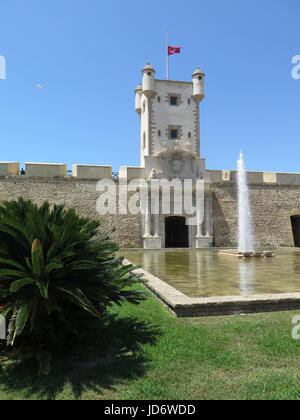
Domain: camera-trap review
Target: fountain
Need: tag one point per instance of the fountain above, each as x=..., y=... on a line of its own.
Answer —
x=246, y=247
x=245, y=236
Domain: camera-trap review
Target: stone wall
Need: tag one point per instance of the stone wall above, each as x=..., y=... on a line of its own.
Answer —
x=79, y=194
x=272, y=206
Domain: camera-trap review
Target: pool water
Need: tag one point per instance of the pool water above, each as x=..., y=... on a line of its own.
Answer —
x=205, y=273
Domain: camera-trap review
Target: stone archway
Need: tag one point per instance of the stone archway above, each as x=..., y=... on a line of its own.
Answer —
x=295, y=220
x=176, y=232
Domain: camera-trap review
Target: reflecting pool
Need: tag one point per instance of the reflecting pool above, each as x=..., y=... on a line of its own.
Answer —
x=204, y=273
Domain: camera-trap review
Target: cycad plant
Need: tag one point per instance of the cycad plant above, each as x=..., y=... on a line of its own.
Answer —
x=58, y=273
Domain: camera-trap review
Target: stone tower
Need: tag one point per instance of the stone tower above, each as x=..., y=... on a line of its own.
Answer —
x=169, y=116
x=170, y=149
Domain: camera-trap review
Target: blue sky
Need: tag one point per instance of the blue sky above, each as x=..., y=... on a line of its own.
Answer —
x=88, y=54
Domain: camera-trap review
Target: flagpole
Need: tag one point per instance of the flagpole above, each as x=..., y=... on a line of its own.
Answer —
x=167, y=50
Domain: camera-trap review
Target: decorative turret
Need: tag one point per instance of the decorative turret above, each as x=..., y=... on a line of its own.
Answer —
x=148, y=80
x=138, y=98
x=198, y=82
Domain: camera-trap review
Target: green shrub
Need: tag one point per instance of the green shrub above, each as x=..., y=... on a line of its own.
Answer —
x=58, y=274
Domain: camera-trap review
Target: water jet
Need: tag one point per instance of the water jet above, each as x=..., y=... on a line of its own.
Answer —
x=246, y=248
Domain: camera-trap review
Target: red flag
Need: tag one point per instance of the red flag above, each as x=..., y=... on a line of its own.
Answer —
x=173, y=50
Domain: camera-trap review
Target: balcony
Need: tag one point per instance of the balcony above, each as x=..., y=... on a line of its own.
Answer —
x=171, y=146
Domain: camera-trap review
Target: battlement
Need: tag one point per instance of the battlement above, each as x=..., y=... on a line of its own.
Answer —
x=53, y=170
x=59, y=170
x=9, y=168
x=255, y=178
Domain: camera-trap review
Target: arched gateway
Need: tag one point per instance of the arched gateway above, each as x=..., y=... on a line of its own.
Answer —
x=176, y=232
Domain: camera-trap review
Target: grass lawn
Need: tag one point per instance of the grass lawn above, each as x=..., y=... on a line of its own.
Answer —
x=153, y=355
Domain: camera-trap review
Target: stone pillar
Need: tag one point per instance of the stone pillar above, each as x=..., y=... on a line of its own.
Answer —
x=149, y=241
x=156, y=225
x=147, y=222
x=199, y=236
x=204, y=241
x=156, y=240
x=199, y=220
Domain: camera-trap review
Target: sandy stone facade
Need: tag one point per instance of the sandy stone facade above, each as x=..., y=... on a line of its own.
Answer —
x=272, y=207
x=79, y=194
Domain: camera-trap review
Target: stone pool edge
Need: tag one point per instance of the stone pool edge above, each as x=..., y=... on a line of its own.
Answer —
x=185, y=306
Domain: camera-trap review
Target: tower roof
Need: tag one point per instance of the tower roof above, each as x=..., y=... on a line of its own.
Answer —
x=139, y=87
x=198, y=71
x=148, y=67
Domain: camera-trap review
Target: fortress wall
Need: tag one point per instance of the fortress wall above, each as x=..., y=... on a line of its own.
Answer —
x=272, y=205
x=79, y=194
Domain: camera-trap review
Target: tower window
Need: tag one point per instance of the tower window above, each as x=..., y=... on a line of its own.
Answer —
x=159, y=133
x=158, y=99
x=149, y=73
x=189, y=134
x=173, y=100
x=200, y=77
x=174, y=134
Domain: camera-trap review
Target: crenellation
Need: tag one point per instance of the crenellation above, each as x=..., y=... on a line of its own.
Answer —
x=91, y=171
x=46, y=169
x=9, y=168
